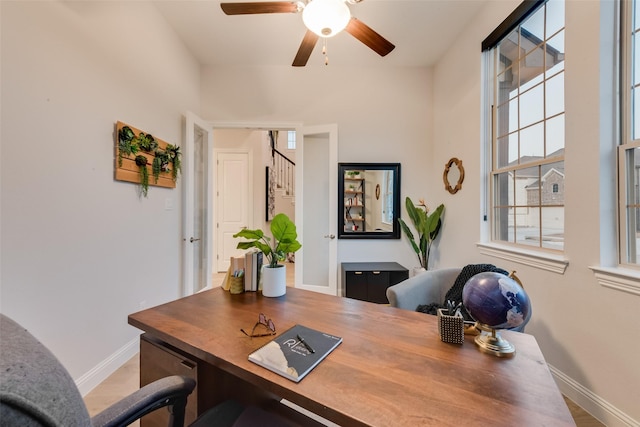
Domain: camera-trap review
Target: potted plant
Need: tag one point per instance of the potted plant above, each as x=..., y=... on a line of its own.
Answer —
x=275, y=249
x=427, y=227
x=141, y=162
x=127, y=144
x=173, y=151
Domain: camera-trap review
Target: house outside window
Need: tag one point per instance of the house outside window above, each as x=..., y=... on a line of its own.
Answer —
x=629, y=148
x=527, y=122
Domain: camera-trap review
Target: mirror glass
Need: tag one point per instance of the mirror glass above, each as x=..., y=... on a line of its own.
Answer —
x=368, y=200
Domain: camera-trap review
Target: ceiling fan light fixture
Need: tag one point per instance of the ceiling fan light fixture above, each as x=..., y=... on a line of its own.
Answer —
x=326, y=18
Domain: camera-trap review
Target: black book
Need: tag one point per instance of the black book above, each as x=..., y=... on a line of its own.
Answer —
x=295, y=352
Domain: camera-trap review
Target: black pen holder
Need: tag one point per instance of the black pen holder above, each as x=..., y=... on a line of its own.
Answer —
x=450, y=328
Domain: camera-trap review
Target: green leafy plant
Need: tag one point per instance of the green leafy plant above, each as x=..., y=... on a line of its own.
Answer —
x=284, y=239
x=173, y=151
x=147, y=142
x=427, y=227
x=130, y=144
x=160, y=163
x=141, y=162
x=127, y=143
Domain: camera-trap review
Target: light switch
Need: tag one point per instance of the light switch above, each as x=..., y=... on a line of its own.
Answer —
x=168, y=204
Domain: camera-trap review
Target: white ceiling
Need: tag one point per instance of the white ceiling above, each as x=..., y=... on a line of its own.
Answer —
x=421, y=30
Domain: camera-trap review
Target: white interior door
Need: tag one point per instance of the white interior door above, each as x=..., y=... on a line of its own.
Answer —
x=234, y=202
x=198, y=182
x=316, y=208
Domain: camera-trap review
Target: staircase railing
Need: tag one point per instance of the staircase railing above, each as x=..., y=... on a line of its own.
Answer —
x=285, y=172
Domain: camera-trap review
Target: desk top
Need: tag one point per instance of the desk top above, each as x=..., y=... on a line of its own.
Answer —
x=391, y=369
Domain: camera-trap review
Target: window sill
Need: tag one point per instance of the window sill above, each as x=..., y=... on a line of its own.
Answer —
x=620, y=279
x=544, y=261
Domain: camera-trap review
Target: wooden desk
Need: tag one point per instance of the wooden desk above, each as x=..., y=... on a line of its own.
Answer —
x=391, y=369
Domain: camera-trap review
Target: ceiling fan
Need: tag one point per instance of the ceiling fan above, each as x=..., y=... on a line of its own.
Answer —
x=323, y=18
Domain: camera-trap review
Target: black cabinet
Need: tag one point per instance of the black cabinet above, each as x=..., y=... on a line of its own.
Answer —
x=368, y=281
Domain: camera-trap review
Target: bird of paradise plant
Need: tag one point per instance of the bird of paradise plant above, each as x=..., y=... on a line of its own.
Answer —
x=427, y=227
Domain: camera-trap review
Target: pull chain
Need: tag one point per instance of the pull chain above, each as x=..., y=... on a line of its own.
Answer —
x=324, y=51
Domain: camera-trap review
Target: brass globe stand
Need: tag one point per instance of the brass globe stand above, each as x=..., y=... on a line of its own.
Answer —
x=490, y=341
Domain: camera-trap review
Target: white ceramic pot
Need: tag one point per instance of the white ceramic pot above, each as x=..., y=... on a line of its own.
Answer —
x=274, y=281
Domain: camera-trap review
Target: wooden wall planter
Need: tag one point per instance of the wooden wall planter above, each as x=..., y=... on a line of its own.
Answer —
x=130, y=172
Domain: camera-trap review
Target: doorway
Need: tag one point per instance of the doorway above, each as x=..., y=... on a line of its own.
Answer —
x=319, y=142
x=241, y=154
x=197, y=181
x=234, y=201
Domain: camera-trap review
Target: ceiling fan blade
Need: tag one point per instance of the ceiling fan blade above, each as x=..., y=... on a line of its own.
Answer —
x=306, y=47
x=366, y=35
x=251, y=8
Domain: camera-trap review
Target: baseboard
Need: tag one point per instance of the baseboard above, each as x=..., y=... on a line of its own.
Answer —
x=101, y=372
x=599, y=408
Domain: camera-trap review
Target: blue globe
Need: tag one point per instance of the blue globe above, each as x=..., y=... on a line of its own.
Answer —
x=497, y=301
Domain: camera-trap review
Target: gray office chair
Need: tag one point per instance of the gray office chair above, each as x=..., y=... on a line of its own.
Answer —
x=36, y=390
x=432, y=287
x=425, y=288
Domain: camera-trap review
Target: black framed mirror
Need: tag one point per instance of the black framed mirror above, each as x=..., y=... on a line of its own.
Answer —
x=368, y=200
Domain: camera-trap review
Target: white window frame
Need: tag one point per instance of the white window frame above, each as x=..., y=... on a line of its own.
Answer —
x=291, y=139
x=543, y=258
x=387, y=198
x=627, y=142
x=616, y=273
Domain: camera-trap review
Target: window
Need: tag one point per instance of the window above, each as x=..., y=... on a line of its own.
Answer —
x=527, y=122
x=629, y=150
x=387, y=197
x=291, y=139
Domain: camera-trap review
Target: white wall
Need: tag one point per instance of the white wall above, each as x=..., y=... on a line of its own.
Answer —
x=81, y=251
x=588, y=333
x=383, y=115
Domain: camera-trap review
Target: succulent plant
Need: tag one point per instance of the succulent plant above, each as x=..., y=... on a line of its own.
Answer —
x=160, y=163
x=147, y=142
x=127, y=143
x=141, y=162
x=173, y=151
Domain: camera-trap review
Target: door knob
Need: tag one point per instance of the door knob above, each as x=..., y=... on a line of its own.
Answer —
x=193, y=240
x=330, y=236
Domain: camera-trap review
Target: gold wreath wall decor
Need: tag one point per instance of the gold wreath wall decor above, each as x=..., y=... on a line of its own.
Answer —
x=445, y=176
